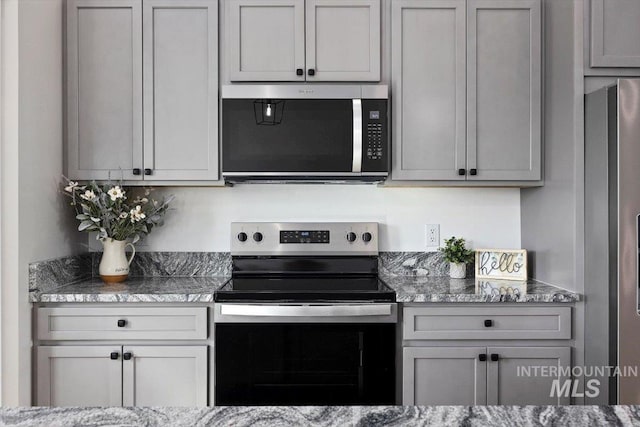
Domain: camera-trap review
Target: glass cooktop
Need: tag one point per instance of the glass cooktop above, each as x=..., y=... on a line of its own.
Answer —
x=305, y=289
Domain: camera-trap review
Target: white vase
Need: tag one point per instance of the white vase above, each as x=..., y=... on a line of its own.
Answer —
x=457, y=270
x=114, y=265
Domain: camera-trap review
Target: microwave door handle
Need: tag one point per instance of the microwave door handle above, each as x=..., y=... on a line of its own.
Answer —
x=357, y=136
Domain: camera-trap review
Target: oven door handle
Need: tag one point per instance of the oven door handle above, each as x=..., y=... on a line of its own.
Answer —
x=254, y=310
x=356, y=165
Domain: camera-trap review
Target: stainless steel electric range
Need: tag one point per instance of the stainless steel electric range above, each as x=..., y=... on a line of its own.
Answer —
x=305, y=320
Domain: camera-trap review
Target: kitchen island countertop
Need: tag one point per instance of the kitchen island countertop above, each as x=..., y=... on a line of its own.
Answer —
x=273, y=416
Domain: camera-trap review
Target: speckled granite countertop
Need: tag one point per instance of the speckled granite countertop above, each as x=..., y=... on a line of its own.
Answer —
x=408, y=289
x=275, y=416
x=445, y=290
x=134, y=289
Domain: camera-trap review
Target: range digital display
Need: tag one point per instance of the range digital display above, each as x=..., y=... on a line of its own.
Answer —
x=304, y=236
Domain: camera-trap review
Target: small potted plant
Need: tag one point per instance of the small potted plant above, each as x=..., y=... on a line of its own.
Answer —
x=458, y=256
x=119, y=219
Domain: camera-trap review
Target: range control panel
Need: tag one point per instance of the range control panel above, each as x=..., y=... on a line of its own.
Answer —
x=286, y=238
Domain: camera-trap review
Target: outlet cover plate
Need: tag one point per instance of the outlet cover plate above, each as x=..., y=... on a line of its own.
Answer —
x=433, y=235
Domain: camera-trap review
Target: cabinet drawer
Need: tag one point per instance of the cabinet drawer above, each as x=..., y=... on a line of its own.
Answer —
x=454, y=323
x=106, y=323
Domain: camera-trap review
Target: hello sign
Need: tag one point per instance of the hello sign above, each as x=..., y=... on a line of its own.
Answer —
x=501, y=264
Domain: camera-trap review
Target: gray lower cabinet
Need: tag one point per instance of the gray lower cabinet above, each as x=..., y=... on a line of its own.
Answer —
x=482, y=375
x=298, y=40
x=123, y=51
x=615, y=33
x=104, y=375
x=509, y=384
x=467, y=85
x=444, y=376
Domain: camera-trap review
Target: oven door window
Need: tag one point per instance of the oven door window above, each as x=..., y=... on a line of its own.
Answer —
x=305, y=364
x=313, y=136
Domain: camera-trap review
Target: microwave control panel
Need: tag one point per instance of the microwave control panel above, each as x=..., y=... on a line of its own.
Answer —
x=375, y=144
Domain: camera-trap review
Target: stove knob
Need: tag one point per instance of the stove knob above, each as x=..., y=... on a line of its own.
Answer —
x=242, y=236
x=366, y=237
x=351, y=236
x=257, y=236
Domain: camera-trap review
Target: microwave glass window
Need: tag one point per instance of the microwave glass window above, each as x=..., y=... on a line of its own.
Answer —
x=312, y=136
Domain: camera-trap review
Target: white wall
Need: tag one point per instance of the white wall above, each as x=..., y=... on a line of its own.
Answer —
x=200, y=221
x=38, y=225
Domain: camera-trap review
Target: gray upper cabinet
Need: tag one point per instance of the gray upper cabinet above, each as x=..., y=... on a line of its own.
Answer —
x=265, y=40
x=104, y=53
x=509, y=384
x=294, y=40
x=180, y=51
x=467, y=85
x=444, y=376
x=615, y=33
x=121, y=51
x=343, y=40
x=429, y=89
x=504, y=90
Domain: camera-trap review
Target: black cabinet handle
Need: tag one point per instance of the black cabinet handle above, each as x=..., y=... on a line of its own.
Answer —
x=488, y=323
x=311, y=72
x=114, y=355
x=126, y=356
x=482, y=357
x=495, y=357
x=462, y=172
x=147, y=171
x=136, y=171
x=473, y=171
x=299, y=72
x=122, y=323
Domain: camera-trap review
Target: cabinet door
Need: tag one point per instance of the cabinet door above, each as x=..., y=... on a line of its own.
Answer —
x=104, y=53
x=78, y=376
x=343, y=40
x=509, y=382
x=165, y=375
x=180, y=89
x=444, y=376
x=266, y=40
x=504, y=89
x=428, y=82
x=615, y=33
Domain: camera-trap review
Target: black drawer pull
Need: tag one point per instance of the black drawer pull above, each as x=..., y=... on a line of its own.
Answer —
x=462, y=172
x=122, y=323
x=473, y=171
x=311, y=72
x=488, y=323
x=126, y=356
x=495, y=357
x=136, y=171
x=299, y=72
x=147, y=171
x=482, y=357
x=114, y=355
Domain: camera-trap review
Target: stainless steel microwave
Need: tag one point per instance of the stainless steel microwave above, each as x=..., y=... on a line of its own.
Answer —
x=305, y=133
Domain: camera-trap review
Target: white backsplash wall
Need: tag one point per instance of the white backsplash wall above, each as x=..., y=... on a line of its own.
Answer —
x=201, y=216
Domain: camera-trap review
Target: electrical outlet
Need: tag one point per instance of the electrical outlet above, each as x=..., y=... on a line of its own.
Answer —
x=433, y=235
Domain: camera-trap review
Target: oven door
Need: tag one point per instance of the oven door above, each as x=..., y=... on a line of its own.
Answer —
x=304, y=364
x=315, y=354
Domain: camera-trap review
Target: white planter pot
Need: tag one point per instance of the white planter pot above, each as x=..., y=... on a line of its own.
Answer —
x=114, y=265
x=457, y=270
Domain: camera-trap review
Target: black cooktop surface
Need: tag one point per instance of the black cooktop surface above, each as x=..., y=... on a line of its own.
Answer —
x=305, y=289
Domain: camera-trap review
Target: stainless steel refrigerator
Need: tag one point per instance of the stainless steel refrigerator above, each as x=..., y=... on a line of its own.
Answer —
x=612, y=215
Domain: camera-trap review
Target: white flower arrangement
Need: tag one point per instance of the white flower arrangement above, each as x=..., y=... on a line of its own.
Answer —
x=106, y=210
